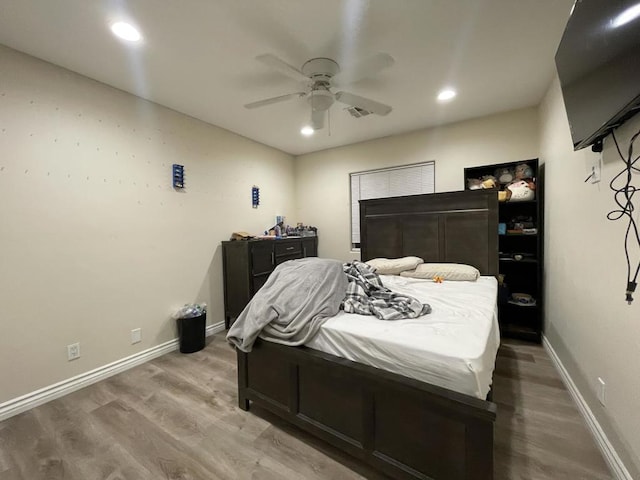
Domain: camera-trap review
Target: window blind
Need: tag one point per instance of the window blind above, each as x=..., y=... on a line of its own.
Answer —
x=388, y=182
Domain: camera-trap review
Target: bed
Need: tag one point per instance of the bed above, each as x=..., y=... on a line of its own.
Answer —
x=453, y=347
x=405, y=427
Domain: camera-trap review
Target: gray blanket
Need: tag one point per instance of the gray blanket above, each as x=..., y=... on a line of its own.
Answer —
x=295, y=301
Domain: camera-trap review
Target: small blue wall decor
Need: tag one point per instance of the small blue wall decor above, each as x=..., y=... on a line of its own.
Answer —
x=178, y=176
x=255, y=196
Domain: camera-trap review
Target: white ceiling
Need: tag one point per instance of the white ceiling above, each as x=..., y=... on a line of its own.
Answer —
x=198, y=57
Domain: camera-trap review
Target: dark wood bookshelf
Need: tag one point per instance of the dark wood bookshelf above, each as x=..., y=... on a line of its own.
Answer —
x=525, y=275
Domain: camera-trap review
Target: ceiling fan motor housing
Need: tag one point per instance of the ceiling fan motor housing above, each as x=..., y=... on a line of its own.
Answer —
x=320, y=69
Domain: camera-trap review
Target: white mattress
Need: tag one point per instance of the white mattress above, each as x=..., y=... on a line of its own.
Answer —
x=453, y=347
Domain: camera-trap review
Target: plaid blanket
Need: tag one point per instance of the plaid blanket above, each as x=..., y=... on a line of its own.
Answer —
x=367, y=296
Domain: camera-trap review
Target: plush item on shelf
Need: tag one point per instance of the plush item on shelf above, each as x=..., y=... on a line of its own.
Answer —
x=489, y=181
x=521, y=222
x=523, y=171
x=504, y=195
x=521, y=191
x=523, y=299
x=505, y=175
x=474, y=183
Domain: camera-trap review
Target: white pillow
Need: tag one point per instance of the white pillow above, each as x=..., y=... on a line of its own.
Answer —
x=393, y=266
x=448, y=271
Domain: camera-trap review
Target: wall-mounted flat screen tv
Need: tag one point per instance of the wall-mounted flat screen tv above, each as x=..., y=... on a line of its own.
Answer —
x=598, y=63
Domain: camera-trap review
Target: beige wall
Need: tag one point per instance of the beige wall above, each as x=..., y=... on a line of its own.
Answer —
x=94, y=241
x=322, y=178
x=588, y=323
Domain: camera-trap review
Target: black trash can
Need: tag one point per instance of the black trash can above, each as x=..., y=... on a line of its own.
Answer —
x=191, y=332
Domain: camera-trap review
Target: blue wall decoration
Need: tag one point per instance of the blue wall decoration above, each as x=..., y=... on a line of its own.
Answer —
x=255, y=197
x=178, y=176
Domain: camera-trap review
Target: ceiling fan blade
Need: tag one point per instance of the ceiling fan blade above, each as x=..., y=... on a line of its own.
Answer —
x=363, y=103
x=269, y=101
x=282, y=66
x=365, y=68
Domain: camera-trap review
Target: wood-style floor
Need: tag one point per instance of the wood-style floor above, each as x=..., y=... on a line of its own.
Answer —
x=176, y=418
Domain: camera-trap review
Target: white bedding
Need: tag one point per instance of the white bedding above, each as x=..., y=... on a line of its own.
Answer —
x=453, y=347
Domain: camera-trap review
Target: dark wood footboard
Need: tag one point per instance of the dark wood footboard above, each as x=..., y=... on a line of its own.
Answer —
x=404, y=427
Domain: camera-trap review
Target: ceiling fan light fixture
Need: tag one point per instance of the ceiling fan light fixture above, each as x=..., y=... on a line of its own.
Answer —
x=126, y=31
x=446, y=94
x=317, y=119
x=307, y=130
x=320, y=100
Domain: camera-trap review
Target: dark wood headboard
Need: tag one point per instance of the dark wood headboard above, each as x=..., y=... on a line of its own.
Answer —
x=453, y=227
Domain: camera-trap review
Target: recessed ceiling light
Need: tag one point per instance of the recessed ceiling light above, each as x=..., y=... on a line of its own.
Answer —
x=627, y=16
x=446, y=94
x=126, y=31
x=307, y=131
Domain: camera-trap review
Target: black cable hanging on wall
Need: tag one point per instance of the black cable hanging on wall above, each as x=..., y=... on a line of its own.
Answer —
x=623, y=197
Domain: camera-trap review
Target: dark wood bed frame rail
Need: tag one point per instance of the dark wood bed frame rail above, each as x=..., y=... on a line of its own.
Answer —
x=406, y=428
x=401, y=426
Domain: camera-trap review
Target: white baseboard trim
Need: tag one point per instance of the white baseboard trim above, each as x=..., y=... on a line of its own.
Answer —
x=610, y=455
x=215, y=328
x=46, y=394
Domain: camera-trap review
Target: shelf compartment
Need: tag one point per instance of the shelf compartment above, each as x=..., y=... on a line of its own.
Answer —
x=524, y=260
x=521, y=332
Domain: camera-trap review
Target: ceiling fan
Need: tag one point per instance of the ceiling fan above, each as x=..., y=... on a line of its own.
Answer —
x=320, y=76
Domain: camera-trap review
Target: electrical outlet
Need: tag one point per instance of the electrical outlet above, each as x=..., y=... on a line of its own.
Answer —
x=73, y=351
x=602, y=391
x=594, y=168
x=136, y=335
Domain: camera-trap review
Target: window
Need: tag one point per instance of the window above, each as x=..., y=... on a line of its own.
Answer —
x=388, y=182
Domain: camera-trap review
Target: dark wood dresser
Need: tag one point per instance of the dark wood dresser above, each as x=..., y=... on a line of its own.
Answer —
x=248, y=263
